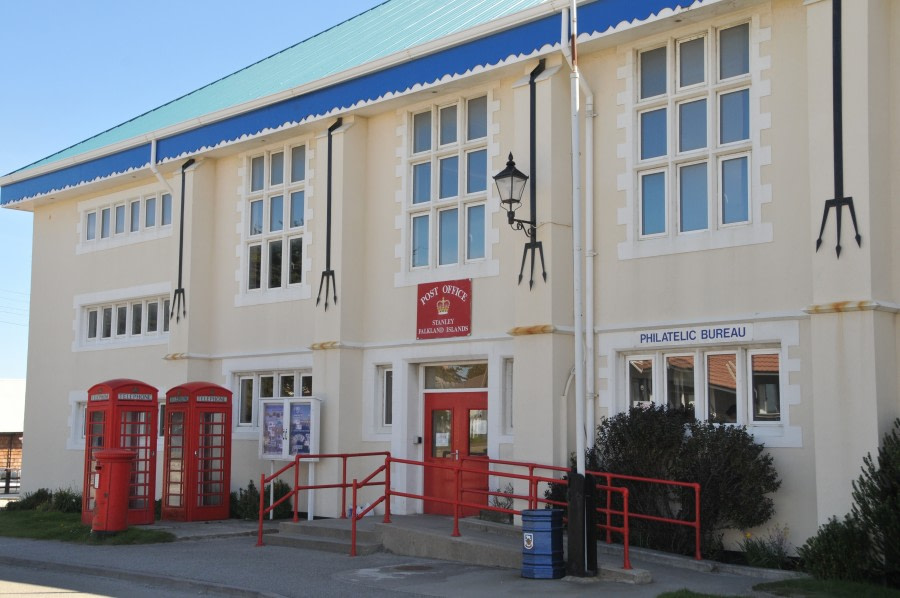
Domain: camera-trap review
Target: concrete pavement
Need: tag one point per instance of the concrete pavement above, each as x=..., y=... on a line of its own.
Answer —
x=221, y=558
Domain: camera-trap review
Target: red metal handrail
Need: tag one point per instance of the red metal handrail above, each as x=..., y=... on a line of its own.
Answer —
x=295, y=491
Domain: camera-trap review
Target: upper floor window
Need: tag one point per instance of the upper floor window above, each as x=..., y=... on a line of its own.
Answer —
x=275, y=219
x=128, y=218
x=694, y=144
x=447, y=164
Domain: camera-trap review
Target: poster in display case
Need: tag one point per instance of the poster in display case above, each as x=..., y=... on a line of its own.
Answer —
x=289, y=427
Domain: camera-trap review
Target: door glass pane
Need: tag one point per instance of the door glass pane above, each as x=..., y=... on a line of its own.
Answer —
x=257, y=173
x=653, y=73
x=296, y=266
x=734, y=51
x=440, y=377
x=274, y=264
x=721, y=387
x=273, y=428
x=692, y=61
x=276, y=177
x=640, y=382
x=475, y=232
x=420, y=241
x=735, y=192
x=421, y=183
x=653, y=134
x=441, y=432
x=298, y=206
x=449, y=241
x=691, y=125
x=734, y=116
x=254, y=273
x=692, y=191
x=765, y=387
x=298, y=163
x=476, y=171
x=422, y=132
x=477, y=122
x=653, y=203
x=478, y=432
x=448, y=125
x=276, y=213
x=449, y=177
x=680, y=382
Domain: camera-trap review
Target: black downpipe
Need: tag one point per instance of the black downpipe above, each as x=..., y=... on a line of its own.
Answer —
x=328, y=277
x=533, y=245
x=180, y=297
x=838, y=201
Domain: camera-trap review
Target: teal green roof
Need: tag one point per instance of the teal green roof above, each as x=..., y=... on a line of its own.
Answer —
x=388, y=28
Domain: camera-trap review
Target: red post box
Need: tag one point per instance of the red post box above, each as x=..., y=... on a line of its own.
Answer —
x=197, y=458
x=122, y=414
x=113, y=477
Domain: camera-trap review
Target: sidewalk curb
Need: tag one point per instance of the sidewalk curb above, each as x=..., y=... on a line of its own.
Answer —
x=162, y=581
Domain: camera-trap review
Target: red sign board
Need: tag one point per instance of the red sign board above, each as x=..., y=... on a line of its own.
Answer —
x=444, y=309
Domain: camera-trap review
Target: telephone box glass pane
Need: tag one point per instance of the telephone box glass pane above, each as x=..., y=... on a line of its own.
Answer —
x=273, y=428
x=301, y=428
x=478, y=432
x=210, y=464
x=441, y=431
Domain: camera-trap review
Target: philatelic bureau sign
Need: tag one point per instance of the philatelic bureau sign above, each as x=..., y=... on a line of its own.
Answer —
x=444, y=309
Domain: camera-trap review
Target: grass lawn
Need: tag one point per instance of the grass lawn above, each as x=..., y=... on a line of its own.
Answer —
x=53, y=525
x=813, y=588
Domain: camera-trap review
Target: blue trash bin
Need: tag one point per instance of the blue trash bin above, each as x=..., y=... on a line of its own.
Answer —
x=542, y=544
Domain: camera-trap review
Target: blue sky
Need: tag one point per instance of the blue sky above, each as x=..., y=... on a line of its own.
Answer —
x=69, y=70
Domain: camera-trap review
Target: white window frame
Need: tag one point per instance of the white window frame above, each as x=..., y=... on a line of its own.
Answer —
x=461, y=148
x=301, y=376
x=717, y=235
x=383, y=372
x=125, y=200
x=288, y=290
x=127, y=298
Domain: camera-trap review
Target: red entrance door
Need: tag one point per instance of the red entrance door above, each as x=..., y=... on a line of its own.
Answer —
x=455, y=427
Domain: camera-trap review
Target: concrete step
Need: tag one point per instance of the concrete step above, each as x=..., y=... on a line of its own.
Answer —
x=330, y=529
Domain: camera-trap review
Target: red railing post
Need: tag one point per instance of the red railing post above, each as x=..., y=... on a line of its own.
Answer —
x=344, y=488
x=627, y=539
x=353, y=522
x=458, y=485
x=697, y=521
x=296, y=489
x=262, y=506
x=387, y=489
x=608, y=509
x=532, y=488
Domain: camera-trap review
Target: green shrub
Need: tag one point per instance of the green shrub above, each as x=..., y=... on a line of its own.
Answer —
x=735, y=476
x=63, y=500
x=839, y=550
x=244, y=504
x=770, y=551
x=66, y=500
x=876, y=497
x=31, y=501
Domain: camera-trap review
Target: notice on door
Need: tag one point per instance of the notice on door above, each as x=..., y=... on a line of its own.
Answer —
x=444, y=309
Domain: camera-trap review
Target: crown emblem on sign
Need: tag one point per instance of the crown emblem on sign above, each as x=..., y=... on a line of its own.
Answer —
x=443, y=306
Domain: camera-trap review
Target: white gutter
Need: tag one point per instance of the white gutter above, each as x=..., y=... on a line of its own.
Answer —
x=156, y=171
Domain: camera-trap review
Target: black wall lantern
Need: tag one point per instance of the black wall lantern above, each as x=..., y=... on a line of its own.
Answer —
x=511, y=185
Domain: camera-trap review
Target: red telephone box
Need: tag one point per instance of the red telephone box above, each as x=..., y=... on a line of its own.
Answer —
x=197, y=460
x=121, y=414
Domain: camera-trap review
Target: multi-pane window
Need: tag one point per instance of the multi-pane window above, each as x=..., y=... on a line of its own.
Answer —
x=727, y=385
x=268, y=385
x=448, y=174
x=694, y=145
x=126, y=319
x=276, y=219
x=132, y=217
